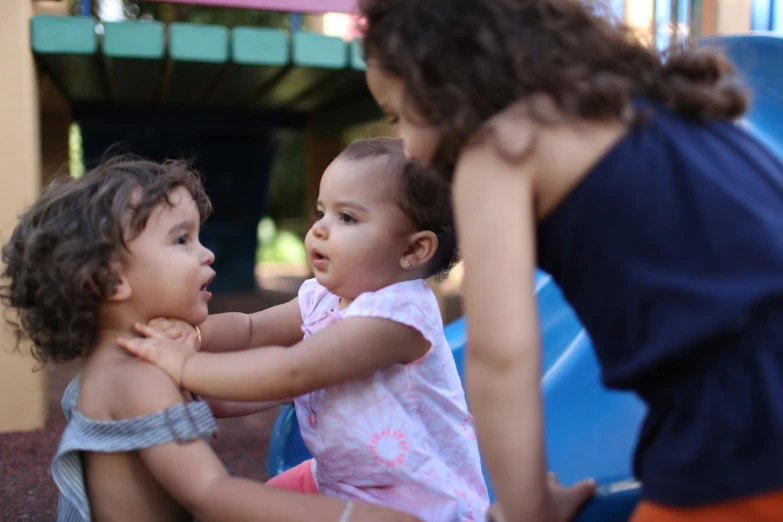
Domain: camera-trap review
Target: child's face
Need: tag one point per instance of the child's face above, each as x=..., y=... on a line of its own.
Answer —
x=360, y=234
x=420, y=138
x=168, y=269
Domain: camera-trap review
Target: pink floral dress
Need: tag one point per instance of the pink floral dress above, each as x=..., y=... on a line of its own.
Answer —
x=402, y=437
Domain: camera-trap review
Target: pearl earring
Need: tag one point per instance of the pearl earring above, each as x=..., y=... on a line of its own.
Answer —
x=407, y=264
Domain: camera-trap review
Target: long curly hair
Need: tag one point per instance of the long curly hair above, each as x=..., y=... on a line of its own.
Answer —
x=422, y=195
x=59, y=260
x=463, y=61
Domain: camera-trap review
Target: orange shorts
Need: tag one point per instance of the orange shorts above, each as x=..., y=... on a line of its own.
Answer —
x=299, y=478
x=760, y=508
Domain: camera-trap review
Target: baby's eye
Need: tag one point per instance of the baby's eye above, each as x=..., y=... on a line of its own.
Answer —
x=182, y=240
x=317, y=215
x=392, y=120
x=347, y=218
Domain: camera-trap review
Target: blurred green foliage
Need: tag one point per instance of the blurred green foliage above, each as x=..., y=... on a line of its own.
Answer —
x=287, y=197
x=200, y=14
x=278, y=246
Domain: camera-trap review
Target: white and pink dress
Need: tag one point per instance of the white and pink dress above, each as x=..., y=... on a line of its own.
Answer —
x=402, y=437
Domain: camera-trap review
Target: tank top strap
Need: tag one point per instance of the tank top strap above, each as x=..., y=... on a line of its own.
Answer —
x=180, y=423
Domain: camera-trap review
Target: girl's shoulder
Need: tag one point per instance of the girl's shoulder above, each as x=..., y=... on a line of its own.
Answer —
x=406, y=294
x=412, y=303
x=181, y=423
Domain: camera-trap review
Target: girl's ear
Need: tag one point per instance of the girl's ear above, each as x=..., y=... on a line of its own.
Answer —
x=122, y=287
x=122, y=290
x=422, y=247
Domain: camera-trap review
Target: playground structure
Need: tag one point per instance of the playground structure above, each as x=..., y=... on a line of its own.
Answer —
x=222, y=92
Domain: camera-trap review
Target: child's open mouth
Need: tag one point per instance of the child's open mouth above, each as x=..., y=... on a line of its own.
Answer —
x=319, y=260
x=206, y=285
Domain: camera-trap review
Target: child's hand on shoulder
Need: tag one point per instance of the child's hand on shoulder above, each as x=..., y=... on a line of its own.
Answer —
x=176, y=330
x=159, y=349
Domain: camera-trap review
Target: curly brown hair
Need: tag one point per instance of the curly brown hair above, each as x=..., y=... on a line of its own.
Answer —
x=423, y=196
x=463, y=61
x=58, y=261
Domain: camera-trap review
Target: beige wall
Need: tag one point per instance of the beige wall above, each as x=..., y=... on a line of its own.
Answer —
x=733, y=16
x=22, y=393
x=718, y=16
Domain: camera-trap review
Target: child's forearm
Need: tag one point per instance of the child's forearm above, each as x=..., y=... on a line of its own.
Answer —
x=228, y=332
x=240, y=500
x=227, y=409
x=332, y=356
x=279, y=325
x=251, y=375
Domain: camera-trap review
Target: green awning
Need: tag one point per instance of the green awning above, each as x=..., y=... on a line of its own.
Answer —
x=147, y=63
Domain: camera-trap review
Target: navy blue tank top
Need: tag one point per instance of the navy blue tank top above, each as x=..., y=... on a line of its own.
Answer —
x=671, y=252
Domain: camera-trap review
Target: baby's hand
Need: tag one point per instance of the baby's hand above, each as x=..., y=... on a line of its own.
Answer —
x=158, y=349
x=175, y=329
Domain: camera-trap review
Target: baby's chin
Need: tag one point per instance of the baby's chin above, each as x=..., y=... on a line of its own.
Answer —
x=322, y=280
x=327, y=283
x=197, y=316
x=201, y=317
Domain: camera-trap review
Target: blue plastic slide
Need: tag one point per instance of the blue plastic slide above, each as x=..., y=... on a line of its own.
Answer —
x=759, y=58
x=591, y=432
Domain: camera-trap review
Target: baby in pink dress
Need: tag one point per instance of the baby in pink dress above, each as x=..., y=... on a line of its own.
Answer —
x=402, y=436
x=361, y=350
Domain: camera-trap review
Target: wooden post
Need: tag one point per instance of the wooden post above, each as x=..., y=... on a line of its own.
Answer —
x=22, y=392
x=708, y=24
x=321, y=150
x=55, y=129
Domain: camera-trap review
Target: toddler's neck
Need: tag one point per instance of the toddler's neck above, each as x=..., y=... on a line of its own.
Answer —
x=106, y=341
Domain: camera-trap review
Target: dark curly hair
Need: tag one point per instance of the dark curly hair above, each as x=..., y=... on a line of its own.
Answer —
x=58, y=261
x=463, y=61
x=423, y=196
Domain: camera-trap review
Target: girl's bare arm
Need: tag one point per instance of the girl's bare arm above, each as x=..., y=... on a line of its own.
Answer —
x=494, y=211
x=226, y=409
x=279, y=325
x=352, y=348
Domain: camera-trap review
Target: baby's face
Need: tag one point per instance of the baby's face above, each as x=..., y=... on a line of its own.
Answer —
x=168, y=269
x=360, y=234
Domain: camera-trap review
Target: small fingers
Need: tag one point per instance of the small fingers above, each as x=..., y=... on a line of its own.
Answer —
x=148, y=331
x=587, y=485
x=191, y=340
x=166, y=326
x=143, y=348
x=160, y=324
